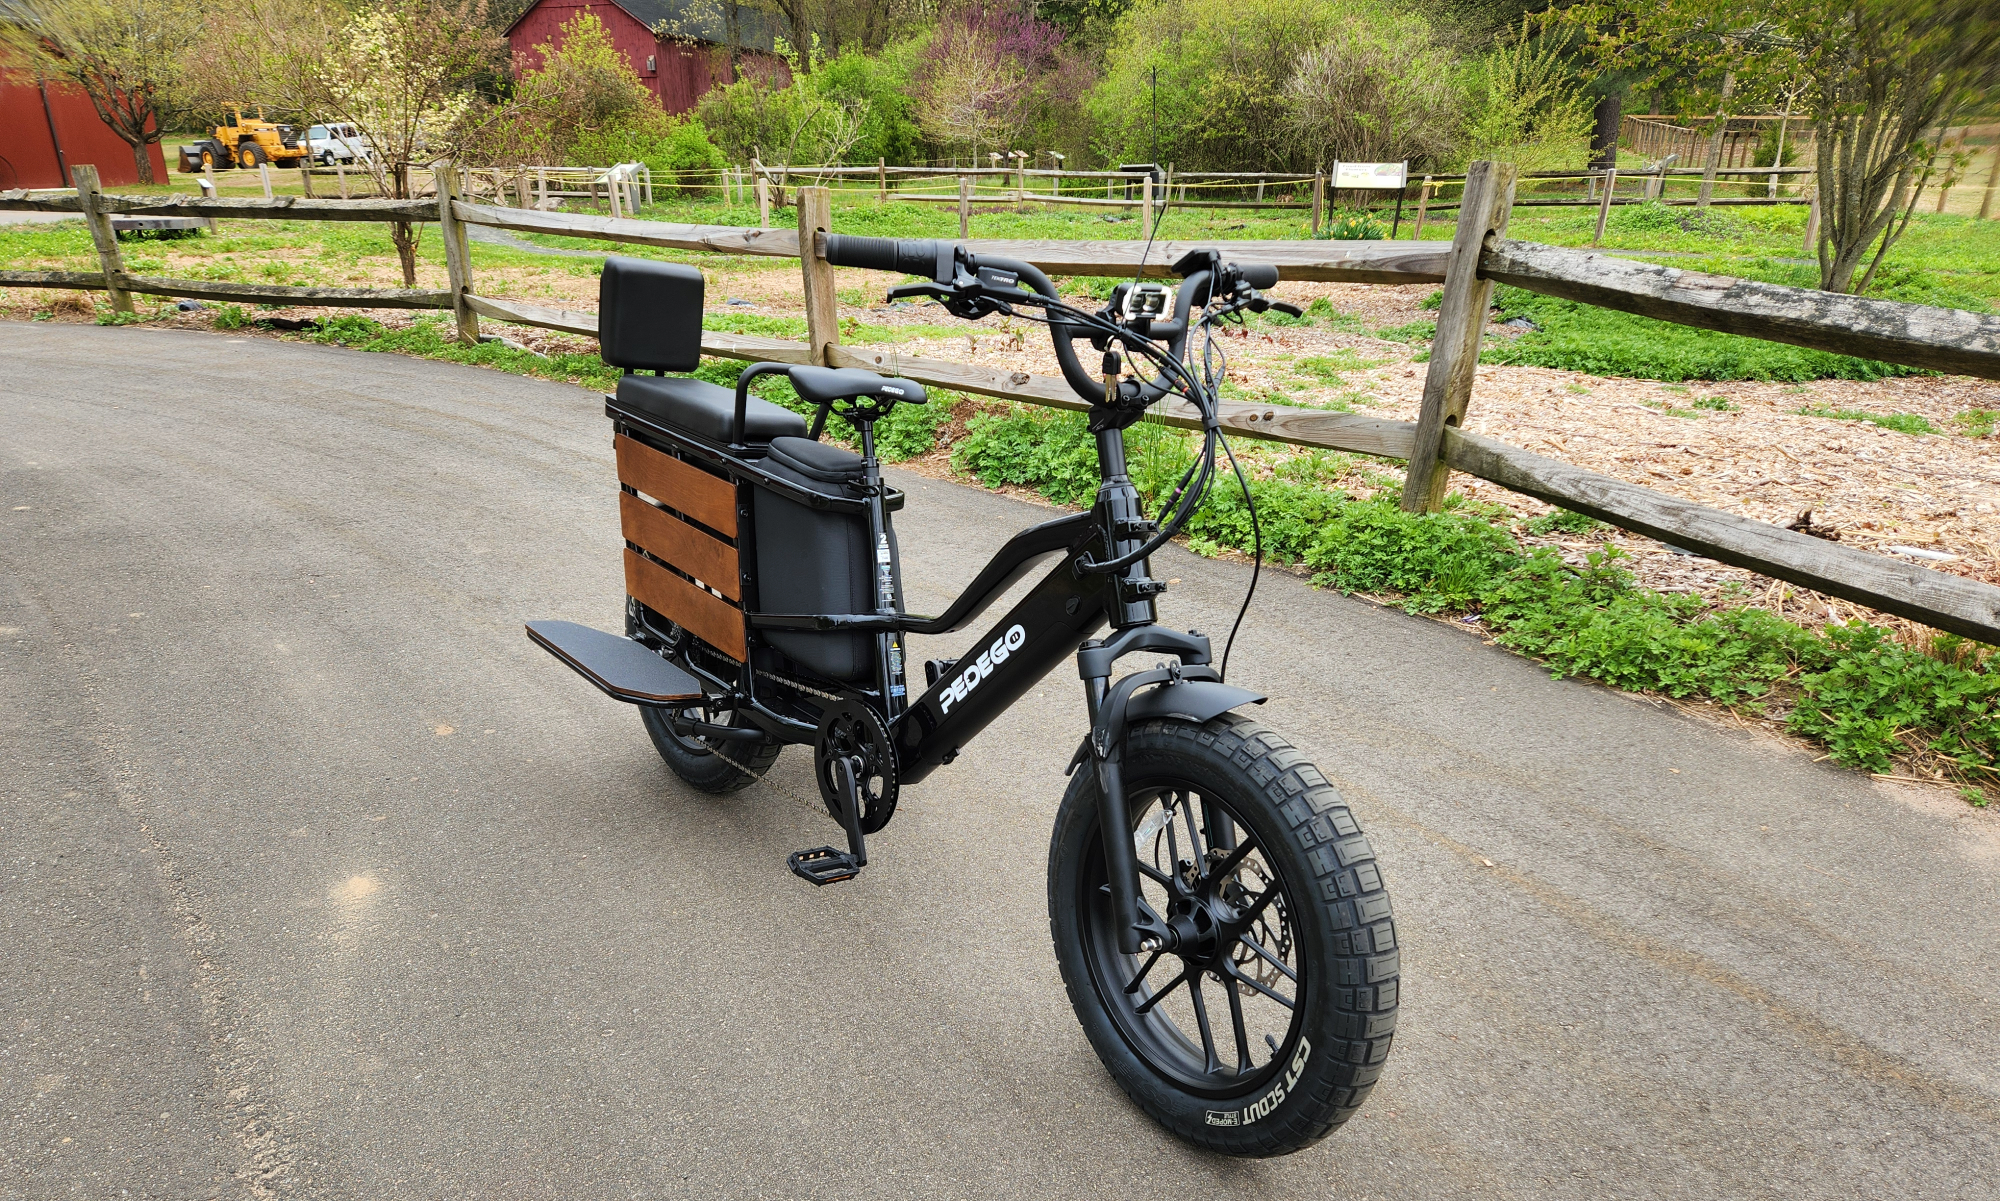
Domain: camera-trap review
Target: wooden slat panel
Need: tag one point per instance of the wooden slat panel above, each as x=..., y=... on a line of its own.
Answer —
x=706, y=498
x=709, y=618
x=672, y=540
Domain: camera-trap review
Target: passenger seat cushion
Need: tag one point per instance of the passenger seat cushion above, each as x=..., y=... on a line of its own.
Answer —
x=649, y=315
x=705, y=410
x=819, y=466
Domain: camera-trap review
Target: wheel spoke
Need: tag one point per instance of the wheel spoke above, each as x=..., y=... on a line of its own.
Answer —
x=1173, y=847
x=1213, y=1064
x=1251, y=914
x=1231, y=971
x=1236, y=1020
x=1235, y=859
x=1158, y=877
x=1194, y=839
x=1161, y=995
x=1141, y=977
x=1269, y=958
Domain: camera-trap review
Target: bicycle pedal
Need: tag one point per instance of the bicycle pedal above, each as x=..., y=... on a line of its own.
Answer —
x=822, y=866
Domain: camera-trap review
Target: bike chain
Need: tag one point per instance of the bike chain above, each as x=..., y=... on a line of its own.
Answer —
x=783, y=789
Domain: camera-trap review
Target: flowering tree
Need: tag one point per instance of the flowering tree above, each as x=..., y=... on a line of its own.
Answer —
x=402, y=72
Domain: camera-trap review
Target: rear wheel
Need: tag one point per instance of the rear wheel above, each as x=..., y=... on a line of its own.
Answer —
x=1266, y=1027
x=721, y=765
x=250, y=154
x=718, y=766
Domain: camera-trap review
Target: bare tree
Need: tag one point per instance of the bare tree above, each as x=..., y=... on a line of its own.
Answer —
x=1376, y=91
x=128, y=56
x=1884, y=84
x=1880, y=79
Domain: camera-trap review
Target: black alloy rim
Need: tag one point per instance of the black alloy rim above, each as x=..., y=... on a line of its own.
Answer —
x=1219, y=1013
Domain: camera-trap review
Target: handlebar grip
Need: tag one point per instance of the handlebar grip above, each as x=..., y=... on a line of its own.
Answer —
x=1258, y=275
x=911, y=257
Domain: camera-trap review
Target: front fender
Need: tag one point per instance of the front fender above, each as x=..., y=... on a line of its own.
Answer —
x=1195, y=700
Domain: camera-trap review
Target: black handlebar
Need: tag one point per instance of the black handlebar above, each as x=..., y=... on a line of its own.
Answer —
x=943, y=262
x=928, y=258
x=1258, y=275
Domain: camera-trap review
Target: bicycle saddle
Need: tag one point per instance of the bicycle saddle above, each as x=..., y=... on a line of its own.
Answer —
x=821, y=385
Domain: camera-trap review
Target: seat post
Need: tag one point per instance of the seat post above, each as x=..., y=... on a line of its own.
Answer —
x=888, y=645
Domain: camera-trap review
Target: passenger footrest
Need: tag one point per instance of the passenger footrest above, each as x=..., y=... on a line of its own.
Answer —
x=623, y=669
x=823, y=865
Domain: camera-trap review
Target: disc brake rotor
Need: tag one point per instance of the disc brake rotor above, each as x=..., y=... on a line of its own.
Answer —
x=851, y=729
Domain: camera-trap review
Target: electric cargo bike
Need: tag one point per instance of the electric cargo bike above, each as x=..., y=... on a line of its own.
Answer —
x=1218, y=916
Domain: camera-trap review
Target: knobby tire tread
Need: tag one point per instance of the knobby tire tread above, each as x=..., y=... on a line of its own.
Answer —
x=1345, y=881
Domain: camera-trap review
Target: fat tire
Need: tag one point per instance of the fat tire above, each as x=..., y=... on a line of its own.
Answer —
x=705, y=769
x=1345, y=934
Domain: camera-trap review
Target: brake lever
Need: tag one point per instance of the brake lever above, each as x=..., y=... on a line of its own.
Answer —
x=931, y=290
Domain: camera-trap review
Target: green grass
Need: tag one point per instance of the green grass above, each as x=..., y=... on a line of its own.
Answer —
x=1580, y=337
x=1902, y=423
x=1863, y=696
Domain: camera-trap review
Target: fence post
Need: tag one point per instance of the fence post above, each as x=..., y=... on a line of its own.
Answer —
x=881, y=181
x=1423, y=206
x=1812, y=222
x=109, y=261
x=306, y=176
x=1319, y=196
x=822, y=317
x=1489, y=199
x=964, y=207
x=340, y=173
x=1604, y=203
x=264, y=173
x=1146, y=204
x=457, y=254
x=763, y=201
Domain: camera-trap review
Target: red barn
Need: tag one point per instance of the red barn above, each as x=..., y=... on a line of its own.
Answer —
x=46, y=130
x=680, y=48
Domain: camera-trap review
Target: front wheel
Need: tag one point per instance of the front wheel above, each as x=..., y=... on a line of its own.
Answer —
x=1267, y=1026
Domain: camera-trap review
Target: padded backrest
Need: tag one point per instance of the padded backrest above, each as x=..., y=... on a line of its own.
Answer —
x=649, y=315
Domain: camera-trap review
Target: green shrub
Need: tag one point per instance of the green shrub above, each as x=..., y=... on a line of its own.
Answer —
x=349, y=329
x=677, y=149
x=231, y=316
x=1596, y=622
x=1875, y=698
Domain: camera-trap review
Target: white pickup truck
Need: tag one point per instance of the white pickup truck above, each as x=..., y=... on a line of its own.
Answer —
x=343, y=143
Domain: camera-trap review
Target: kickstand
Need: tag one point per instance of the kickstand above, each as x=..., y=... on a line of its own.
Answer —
x=825, y=865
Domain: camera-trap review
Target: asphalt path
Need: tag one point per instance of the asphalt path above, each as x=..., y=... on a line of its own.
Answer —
x=320, y=880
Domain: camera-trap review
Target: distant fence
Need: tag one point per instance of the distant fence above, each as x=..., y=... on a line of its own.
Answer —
x=1478, y=257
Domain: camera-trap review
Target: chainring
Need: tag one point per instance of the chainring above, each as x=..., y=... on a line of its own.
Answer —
x=851, y=728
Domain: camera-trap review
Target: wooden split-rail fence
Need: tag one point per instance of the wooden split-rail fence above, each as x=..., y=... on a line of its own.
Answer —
x=1479, y=256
